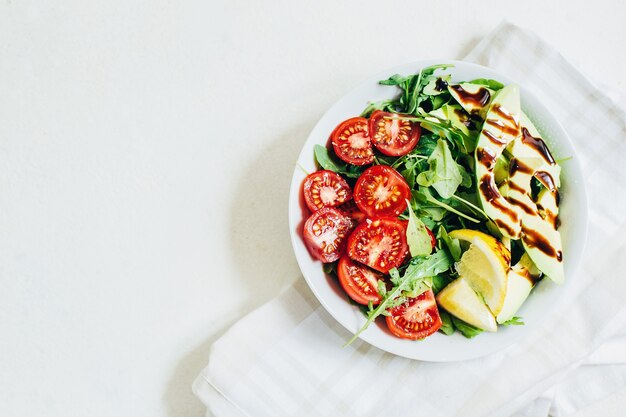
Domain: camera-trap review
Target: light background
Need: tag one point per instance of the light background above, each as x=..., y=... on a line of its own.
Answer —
x=146, y=149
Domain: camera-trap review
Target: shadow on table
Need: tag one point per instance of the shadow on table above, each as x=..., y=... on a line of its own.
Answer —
x=261, y=247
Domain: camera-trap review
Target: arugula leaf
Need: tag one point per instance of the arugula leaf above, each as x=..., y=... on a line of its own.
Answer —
x=381, y=288
x=415, y=91
x=419, y=269
x=394, y=277
x=330, y=268
x=440, y=100
x=493, y=84
x=466, y=329
x=443, y=128
x=432, y=87
x=426, y=144
x=417, y=236
x=409, y=176
x=428, y=221
x=418, y=287
x=493, y=229
x=409, y=173
x=561, y=160
x=444, y=174
x=466, y=178
x=438, y=282
x=447, y=327
x=395, y=79
x=513, y=321
x=322, y=156
x=385, y=160
x=326, y=161
x=385, y=105
x=429, y=198
x=421, y=92
x=426, y=209
x=453, y=245
x=435, y=213
x=472, y=206
x=428, y=71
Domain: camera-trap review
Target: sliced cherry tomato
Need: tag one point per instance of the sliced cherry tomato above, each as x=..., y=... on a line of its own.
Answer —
x=351, y=141
x=358, y=281
x=353, y=211
x=416, y=319
x=326, y=232
x=379, y=243
x=325, y=189
x=381, y=191
x=392, y=136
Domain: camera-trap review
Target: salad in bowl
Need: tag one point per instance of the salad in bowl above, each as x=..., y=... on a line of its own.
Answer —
x=437, y=209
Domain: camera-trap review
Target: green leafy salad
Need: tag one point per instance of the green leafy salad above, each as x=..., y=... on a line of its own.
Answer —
x=438, y=209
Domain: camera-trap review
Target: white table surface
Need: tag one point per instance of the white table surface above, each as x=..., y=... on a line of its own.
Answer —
x=146, y=149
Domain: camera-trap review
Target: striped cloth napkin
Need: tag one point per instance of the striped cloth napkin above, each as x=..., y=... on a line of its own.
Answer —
x=286, y=359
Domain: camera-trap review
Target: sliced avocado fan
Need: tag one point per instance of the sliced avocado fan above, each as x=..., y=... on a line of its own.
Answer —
x=511, y=205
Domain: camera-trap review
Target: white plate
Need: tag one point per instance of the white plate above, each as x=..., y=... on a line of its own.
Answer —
x=439, y=347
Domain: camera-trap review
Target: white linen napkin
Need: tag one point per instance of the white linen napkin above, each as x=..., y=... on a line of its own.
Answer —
x=286, y=359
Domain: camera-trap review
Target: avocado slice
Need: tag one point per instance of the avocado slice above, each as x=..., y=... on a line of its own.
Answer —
x=456, y=115
x=501, y=127
x=540, y=237
x=521, y=280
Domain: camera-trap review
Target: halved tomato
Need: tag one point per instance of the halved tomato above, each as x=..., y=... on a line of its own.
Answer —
x=351, y=141
x=358, y=281
x=392, y=136
x=351, y=209
x=416, y=319
x=325, y=233
x=325, y=189
x=381, y=191
x=379, y=243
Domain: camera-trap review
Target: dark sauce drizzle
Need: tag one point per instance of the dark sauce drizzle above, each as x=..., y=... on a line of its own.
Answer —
x=465, y=118
x=539, y=145
x=516, y=187
x=517, y=165
x=546, y=179
x=532, y=278
x=492, y=195
x=440, y=84
x=505, y=114
x=504, y=226
x=480, y=98
x=507, y=130
x=537, y=240
x=494, y=139
x=486, y=157
x=522, y=205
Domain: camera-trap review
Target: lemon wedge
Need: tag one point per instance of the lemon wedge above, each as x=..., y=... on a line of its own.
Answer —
x=484, y=266
x=459, y=299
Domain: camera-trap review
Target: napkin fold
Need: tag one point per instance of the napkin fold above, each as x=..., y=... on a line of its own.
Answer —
x=286, y=359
